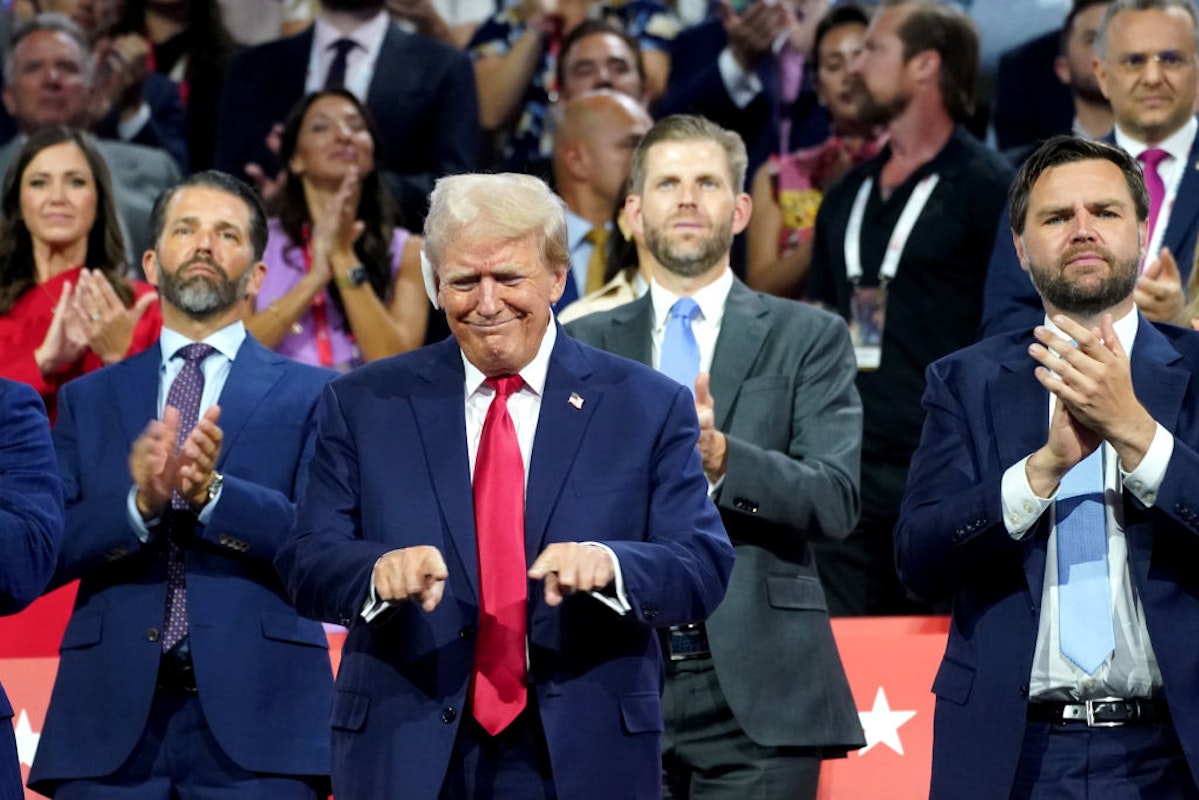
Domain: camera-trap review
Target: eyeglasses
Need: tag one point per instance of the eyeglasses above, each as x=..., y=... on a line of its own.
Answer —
x=1168, y=60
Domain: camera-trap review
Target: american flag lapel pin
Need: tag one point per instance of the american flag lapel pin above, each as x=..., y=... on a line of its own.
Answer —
x=576, y=400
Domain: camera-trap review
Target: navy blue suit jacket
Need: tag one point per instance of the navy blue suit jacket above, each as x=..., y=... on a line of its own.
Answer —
x=422, y=97
x=696, y=87
x=1010, y=303
x=986, y=411
x=263, y=672
x=30, y=530
x=619, y=466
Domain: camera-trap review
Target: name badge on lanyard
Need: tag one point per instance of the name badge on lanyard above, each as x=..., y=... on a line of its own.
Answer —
x=868, y=305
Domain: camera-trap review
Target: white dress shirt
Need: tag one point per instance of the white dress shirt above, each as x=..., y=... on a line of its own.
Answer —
x=1131, y=670
x=360, y=61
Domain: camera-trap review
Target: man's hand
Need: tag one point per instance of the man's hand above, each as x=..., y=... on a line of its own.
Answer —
x=413, y=573
x=122, y=65
x=752, y=32
x=1159, y=293
x=713, y=445
x=1093, y=380
x=198, y=456
x=569, y=567
x=424, y=16
x=152, y=464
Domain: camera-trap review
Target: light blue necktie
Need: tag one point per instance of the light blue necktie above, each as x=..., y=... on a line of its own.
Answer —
x=1084, y=595
x=680, y=353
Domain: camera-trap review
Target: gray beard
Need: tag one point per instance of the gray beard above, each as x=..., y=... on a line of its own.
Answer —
x=201, y=297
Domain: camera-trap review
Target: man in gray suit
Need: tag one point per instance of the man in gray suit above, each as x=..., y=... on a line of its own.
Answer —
x=48, y=78
x=757, y=697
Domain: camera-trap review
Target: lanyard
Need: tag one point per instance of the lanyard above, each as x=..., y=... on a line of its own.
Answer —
x=899, y=236
x=320, y=310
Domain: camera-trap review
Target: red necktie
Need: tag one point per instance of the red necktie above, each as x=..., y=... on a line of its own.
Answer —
x=498, y=693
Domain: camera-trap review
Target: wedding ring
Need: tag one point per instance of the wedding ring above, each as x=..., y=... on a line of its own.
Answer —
x=95, y=316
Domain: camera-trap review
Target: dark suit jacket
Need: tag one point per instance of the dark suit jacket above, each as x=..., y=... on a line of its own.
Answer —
x=986, y=411
x=1010, y=303
x=783, y=382
x=422, y=96
x=695, y=87
x=1030, y=103
x=391, y=471
x=30, y=530
x=263, y=671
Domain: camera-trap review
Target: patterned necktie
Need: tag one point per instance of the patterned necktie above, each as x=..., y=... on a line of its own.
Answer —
x=498, y=693
x=680, y=352
x=1153, y=182
x=1084, y=596
x=596, y=265
x=185, y=396
x=336, y=77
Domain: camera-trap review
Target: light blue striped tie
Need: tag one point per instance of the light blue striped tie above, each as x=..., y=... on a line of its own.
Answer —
x=680, y=353
x=1084, y=594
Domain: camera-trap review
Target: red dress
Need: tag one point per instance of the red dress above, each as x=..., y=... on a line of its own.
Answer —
x=24, y=327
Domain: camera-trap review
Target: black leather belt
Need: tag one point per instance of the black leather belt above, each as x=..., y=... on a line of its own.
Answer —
x=176, y=674
x=1105, y=713
x=685, y=642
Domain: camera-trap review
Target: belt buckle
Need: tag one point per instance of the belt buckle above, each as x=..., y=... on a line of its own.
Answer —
x=1114, y=723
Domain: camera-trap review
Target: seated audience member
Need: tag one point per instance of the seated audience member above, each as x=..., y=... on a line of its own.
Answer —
x=517, y=52
x=788, y=188
x=420, y=92
x=1030, y=107
x=130, y=101
x=593, y=153
x=65, y=308
x=49, y=78
x=343, y=282
x=1147, y=64
x=741, y=73
x=191, y=46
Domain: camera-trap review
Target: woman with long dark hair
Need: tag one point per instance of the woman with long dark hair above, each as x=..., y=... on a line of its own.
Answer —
x=65, y=306
x=343, y=283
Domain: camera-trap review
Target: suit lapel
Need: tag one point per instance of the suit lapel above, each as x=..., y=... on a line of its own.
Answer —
x=1019, y=406
x=254, y=372
x=630, y=334
x=441, y=422
x=136, y=408
x=742, y=334
x=567, y=406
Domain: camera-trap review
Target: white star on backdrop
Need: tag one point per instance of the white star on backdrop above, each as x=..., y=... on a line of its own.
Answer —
x=27, y=739
x=881, y=724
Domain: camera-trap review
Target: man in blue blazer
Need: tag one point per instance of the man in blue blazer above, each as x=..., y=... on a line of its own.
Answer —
x=30, y=530
x=612, y=534
x=1039, y=694
x=420, y=92
x=1010, y=302
x=184, y=670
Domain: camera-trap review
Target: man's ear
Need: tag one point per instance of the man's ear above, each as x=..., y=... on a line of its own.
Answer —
x=1018, y=241
x=150, y=267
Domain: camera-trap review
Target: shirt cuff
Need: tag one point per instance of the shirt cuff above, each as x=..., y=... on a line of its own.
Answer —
x=1146, y=479
x=130, y=128
x=742, y=86
x=373, y=606
x=618, y=601
x=1021, y=505
x=141, y=527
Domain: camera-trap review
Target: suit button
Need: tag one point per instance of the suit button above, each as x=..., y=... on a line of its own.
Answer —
x=448, y=715
x=1024, y=692
x=649, y=612
x=467, y=632
x=742, y=504
x=152, y=635
x=346, y=622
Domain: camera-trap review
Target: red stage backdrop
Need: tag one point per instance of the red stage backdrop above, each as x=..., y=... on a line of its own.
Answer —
x=891, y=663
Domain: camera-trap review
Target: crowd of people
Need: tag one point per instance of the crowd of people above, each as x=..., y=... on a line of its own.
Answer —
x=583, y=359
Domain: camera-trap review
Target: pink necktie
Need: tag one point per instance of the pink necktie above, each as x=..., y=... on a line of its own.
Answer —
x=498, y=693
x=1153, y=182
